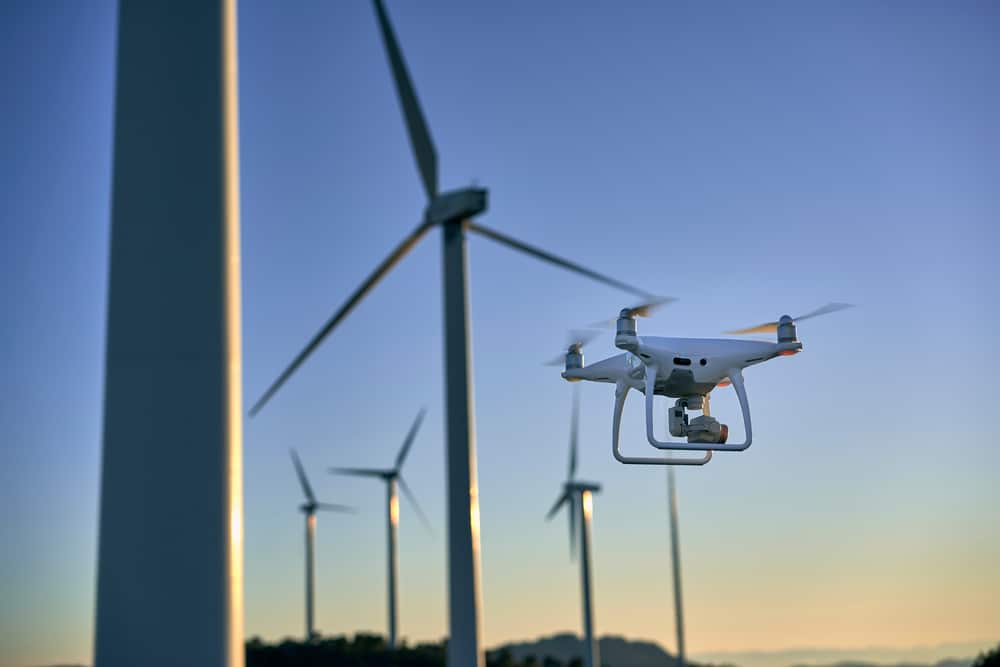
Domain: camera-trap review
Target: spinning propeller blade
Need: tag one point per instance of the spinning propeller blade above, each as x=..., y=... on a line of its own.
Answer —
x=344, y=310
x=772, y=327
x=413, y=501
x=416, y=126
x=644, y=309
x=552, y=259
x=405, y=449
x=306, y=489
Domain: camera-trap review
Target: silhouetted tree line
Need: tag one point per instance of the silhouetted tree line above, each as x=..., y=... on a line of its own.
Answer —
x=371, y=651
x=989, y=658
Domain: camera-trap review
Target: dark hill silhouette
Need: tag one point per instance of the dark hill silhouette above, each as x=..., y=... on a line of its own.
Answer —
x=562, y=650
x=615, y=651
x=989, y=658
x=948, y=662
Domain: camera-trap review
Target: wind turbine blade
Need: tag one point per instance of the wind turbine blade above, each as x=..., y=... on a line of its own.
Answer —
x=413, y=500
x=303, y=480
x=358, y=294
x=552, y=259
x=573, y=432
x=359, y=472
x=555, y=508
x=420, y=136
x=330, y=507
x=405, y=449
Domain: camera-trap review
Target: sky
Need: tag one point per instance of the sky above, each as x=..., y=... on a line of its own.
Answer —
x=750, y=159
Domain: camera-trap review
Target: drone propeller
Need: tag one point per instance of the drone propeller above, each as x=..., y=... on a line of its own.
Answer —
x=640, y=310
x=576, y=338
x=772, y=327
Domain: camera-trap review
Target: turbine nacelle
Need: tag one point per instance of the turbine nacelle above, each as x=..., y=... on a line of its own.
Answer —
x=461, y=204
x=574, y=486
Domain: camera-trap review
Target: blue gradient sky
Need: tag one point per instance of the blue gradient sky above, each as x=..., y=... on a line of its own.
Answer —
x=751, y=160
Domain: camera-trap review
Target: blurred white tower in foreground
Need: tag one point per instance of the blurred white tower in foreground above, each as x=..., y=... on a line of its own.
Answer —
x=170, y=554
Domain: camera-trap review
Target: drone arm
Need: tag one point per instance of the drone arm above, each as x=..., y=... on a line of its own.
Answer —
x=736, y=377
x=621, y=391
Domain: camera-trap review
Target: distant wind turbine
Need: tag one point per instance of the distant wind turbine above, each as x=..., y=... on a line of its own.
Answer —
x=309, y=508
x=391, y=477
x=578, y=496
x=452, y=211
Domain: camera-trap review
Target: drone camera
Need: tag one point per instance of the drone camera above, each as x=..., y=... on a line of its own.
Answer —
x=703, y=429
x=707, y=429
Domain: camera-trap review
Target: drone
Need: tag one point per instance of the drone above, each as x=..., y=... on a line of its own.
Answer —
x=685, y=369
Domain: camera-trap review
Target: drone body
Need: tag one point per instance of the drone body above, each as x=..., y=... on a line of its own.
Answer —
x=685, y=366
x=686, y=369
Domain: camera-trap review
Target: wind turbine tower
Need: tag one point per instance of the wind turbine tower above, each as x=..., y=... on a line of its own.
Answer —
x=309, y=509
x=170, y=545
x=578, y=497
x=393, y=477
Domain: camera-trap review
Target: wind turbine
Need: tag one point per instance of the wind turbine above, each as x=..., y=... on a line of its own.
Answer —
x=391, y=477
x=578, y=497
x=452, y=211
x=309, y=508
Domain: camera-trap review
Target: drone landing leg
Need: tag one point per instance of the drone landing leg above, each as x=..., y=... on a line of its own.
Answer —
x=736, y=376
x=621, y=391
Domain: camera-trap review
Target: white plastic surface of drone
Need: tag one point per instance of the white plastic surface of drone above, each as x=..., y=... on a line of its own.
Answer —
x=686, y=369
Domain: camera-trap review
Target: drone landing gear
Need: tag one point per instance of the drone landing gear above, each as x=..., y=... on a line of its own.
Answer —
x=703, y=433
x=621, y=391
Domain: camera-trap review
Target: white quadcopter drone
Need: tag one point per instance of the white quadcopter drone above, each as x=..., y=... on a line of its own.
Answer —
x=687, y=369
